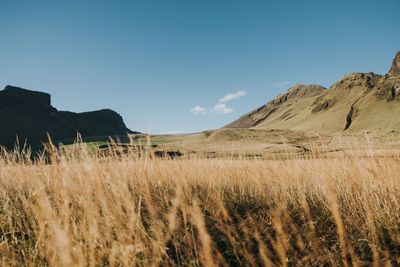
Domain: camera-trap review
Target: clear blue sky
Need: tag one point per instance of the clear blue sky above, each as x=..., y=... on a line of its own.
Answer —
x=155, y=61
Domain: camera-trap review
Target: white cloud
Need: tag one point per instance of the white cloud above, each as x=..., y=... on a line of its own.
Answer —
x=280, y=84
x=232, y=96
x=221, y=108
x=198, y=110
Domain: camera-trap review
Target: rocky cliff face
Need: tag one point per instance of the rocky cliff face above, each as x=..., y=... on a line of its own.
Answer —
x=21, y=99
x=395, y=69
x=29, y=116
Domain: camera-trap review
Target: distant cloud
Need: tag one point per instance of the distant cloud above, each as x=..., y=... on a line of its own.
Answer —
x=220, y=107
x=232, y=96
x=280, y=84
x=198, y=110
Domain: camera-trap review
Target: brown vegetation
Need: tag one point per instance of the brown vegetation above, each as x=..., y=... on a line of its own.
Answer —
x=130, y=210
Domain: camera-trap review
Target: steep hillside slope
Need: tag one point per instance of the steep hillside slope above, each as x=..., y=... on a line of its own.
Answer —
x=359, y=102
x=30, y=116
x=282, y=108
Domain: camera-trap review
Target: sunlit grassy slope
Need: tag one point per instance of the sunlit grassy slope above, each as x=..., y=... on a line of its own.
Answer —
x=135, y=210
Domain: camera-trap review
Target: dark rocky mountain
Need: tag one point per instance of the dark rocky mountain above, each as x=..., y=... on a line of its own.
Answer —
x=30, y=116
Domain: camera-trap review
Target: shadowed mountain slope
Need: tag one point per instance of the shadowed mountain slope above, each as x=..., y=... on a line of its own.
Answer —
x=359, y=102
x=30, y=116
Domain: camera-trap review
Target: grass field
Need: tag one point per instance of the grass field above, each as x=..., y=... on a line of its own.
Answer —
x=131, y=210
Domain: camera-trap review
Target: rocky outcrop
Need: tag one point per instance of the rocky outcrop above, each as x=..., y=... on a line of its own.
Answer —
x=349, y=117
x=388, y=88
x=298, y=91
x=322, y=104
x=29, y=116
x=395, y=68
x=358, y=79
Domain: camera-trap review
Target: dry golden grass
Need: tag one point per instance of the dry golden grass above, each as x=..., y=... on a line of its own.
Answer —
x=130, y=210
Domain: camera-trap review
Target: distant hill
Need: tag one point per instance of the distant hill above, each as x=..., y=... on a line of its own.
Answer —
x=359, y=102
x=29, y=116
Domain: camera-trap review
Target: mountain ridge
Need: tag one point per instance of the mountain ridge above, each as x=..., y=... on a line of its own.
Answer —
x=29, y=117
x=354, y=103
